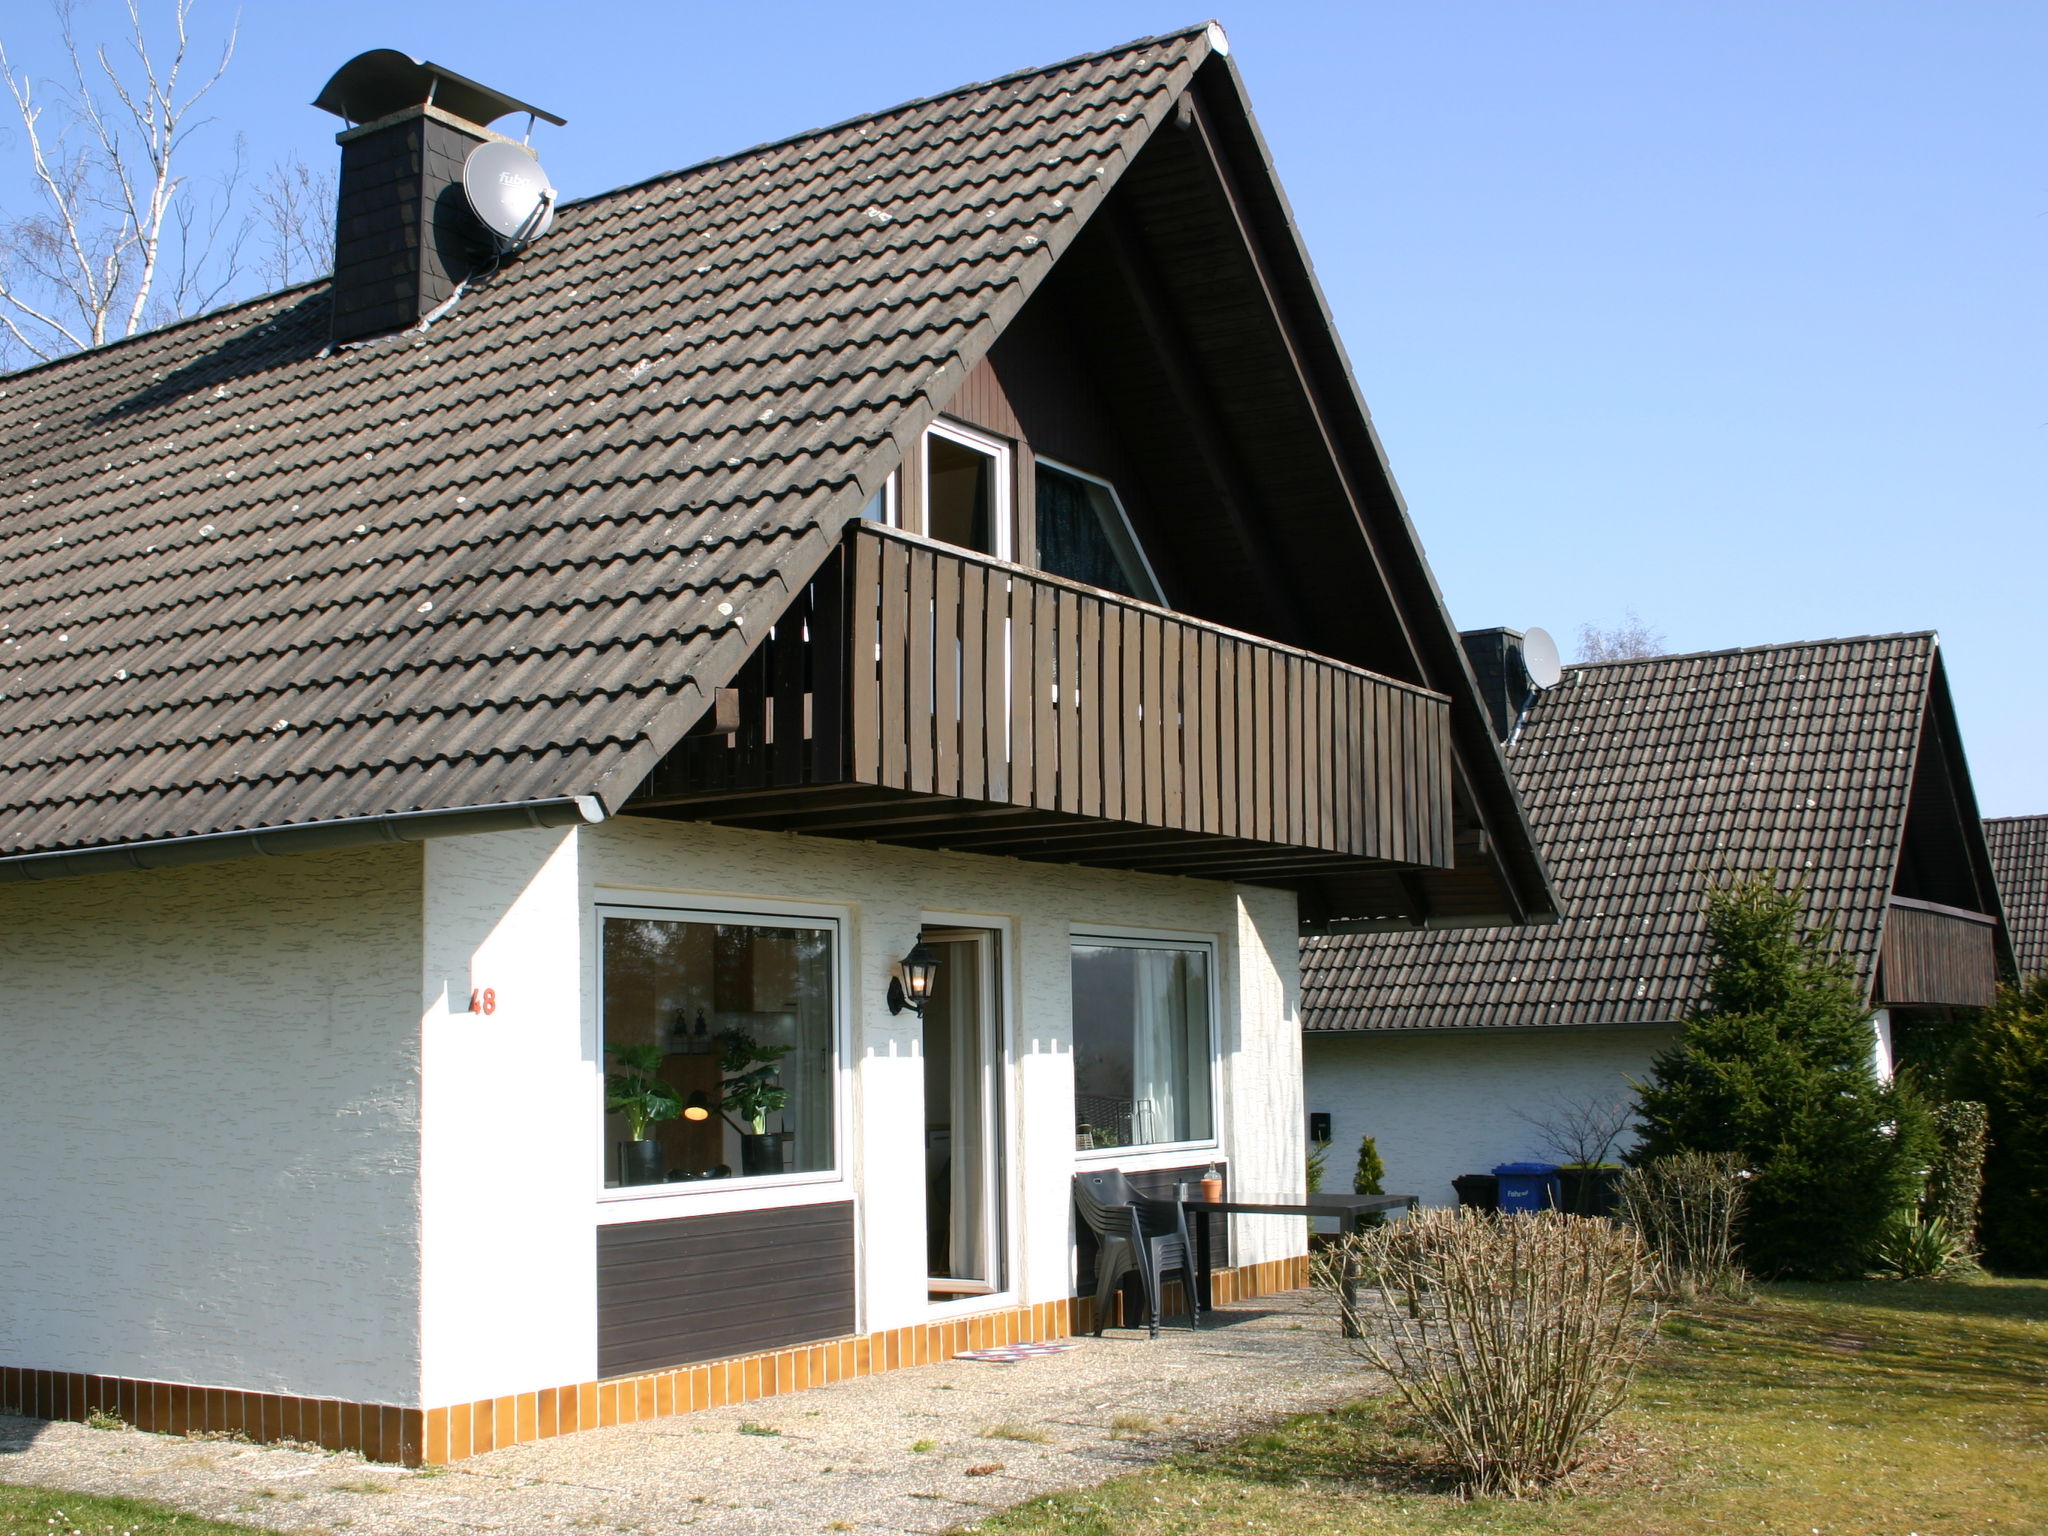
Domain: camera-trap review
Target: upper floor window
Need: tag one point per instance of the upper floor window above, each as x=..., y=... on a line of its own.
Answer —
x=967, y=489
x=1084, y=535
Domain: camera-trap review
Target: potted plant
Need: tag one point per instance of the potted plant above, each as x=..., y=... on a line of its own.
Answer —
x=636, y=1092
x=750, y=1090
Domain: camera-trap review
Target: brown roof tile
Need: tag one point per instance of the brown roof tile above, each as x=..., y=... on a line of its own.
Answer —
x=1643, y=780
x=247, y=579
x=2019, y=857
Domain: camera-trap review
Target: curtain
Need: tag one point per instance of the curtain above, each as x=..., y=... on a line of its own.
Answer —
x=1159, y=1048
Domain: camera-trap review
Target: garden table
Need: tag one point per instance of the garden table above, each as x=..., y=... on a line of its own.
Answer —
x=1349, y=1208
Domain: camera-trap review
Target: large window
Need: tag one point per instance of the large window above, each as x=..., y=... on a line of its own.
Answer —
x=1144, y=1049
x=719, y=1048
x=1084, y=535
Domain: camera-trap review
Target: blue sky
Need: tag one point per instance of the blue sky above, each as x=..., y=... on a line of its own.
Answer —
x=1730, y=313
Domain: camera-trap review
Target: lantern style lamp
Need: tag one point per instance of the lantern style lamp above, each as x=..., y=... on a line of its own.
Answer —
x=698, y=1106
x=916, y=974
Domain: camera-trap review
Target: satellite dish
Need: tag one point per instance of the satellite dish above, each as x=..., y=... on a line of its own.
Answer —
x=1539, y=658
x=509, y=192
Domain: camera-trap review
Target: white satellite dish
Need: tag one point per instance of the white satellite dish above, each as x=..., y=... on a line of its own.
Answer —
x=509, y=192
x=1539, y=658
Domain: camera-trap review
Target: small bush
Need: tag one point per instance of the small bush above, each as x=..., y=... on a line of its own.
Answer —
x=1512, y=1337
x=105, y=1418
x=1029, y=1433
x=1688, y=1208
x=1913, y=1247
x=1368, y=1179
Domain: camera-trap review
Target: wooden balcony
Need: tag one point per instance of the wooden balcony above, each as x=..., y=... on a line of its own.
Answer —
x=926, y=696
x=1937, y=956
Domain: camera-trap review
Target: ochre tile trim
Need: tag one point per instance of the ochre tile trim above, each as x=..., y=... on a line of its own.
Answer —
x=414, y=1436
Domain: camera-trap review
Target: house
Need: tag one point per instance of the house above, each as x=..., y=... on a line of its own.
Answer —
x=938, y=562
x=2019, y=858
x=1836, y=763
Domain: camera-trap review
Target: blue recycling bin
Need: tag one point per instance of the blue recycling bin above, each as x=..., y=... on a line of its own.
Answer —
x=1527, y=1186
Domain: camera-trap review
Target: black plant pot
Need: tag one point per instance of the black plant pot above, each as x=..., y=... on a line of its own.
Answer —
x=1589, y=1191
x=760, y=1155
x=640, y=1162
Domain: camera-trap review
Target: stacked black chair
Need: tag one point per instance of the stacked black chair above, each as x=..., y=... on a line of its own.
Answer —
x=1134, y=1232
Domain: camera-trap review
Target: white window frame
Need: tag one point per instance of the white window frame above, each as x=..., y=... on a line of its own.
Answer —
x=1003, y=514
x=888, y=502
x=701, y=1197
x=1160, y=1154
x=1158, y=598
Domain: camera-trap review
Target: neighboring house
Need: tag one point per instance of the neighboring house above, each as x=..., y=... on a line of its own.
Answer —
x=1834, y=763
x=953, y=535
x=2019, y=857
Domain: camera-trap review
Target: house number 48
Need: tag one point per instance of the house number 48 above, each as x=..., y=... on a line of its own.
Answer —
x=483, y=1000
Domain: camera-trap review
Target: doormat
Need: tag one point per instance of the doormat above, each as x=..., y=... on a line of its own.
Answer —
x=1011, y=1354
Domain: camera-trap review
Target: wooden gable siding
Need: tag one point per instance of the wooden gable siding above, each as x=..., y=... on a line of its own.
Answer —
x=1936, y=955
x=910, y=669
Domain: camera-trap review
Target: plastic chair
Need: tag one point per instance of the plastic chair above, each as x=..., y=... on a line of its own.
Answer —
x=1133, y=1232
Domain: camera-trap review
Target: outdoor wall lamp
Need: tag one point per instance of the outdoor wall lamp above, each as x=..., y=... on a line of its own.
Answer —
x=915, y=976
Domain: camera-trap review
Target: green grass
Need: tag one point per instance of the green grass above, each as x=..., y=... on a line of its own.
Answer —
x=31, y=1511
x=1880, y=1409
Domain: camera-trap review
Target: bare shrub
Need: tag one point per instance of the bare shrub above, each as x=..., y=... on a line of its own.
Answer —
x=1512, y=1337
x=1687, y=1207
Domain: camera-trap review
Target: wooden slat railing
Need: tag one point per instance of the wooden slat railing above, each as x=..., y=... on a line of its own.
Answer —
x=913, y=666
x=1937, y=955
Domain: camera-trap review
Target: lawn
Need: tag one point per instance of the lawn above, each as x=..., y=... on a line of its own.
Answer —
x=1880, y=1409
x=39, y=1512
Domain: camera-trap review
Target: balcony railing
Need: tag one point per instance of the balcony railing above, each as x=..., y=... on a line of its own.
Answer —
x=1041, y=712
x=1938, y=956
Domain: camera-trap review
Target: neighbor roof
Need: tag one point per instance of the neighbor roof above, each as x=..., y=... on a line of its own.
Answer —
x=2019, y=855
x=1644, y=780
x=247, y=579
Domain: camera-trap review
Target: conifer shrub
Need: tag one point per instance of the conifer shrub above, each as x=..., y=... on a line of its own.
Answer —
x=1774, y=1066
x=1955, y=1184
x=2006, y=1067
x=1369, y=1179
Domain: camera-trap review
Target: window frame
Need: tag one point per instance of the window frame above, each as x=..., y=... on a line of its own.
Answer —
x=1158, y=599
x=1002, y=516
x=1142, y=1155
x=628, y=1202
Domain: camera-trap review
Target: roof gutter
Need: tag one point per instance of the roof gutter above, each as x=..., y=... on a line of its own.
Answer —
x=305, y=837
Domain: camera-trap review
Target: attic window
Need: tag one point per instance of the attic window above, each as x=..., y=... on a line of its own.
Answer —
x=967, y=489
x=1084, y=535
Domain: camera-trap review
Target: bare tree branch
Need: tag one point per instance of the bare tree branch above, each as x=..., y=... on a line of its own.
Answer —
x=1630, y=640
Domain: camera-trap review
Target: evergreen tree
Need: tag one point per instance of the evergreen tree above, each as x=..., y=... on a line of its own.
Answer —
x=2005, y=1066
x=1366, y=1180
x=1775, y=1066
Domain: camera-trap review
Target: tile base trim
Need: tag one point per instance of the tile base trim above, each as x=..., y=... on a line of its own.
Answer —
x=434, y=1436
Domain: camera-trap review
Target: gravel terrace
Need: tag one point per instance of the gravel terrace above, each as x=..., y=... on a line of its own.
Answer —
x=926, y=1450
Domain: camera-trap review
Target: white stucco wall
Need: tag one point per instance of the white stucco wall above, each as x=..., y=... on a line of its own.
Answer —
x=1442, y=1103
x=208, y=1124
x=510, y=1220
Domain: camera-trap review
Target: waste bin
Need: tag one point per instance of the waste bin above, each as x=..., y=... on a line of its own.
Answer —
x=1527, y=1186
x=1481, y=1191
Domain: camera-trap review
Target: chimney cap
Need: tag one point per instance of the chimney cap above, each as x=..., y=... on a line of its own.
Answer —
x=383, y=81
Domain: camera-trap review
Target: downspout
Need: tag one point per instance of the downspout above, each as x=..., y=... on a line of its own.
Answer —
x=306, y=837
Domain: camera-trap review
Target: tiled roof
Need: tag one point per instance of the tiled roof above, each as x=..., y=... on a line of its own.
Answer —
x=2019, y=856
x=1644, y=780
x=249, y=580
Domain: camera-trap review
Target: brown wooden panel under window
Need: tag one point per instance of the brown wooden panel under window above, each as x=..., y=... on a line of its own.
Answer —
x=1939, y=955
x=706, y=1287
x=1157, y=1183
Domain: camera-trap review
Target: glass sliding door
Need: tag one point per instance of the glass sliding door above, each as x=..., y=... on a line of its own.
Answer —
x=963, y=1118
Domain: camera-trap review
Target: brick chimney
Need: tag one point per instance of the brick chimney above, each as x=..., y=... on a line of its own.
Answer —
x=404, y=236
x=1504, y=686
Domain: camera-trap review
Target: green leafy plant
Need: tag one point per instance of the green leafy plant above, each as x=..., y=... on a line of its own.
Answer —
x=1955, y=1184
x=637, y=1092
x=1318, y=1164
x=2005, y=1066
x=1913, y=1247
x=750, y=1089
x=1774, y=1067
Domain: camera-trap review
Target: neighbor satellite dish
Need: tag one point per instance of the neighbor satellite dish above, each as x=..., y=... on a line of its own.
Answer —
x=509, y=191
x=1539, y=658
